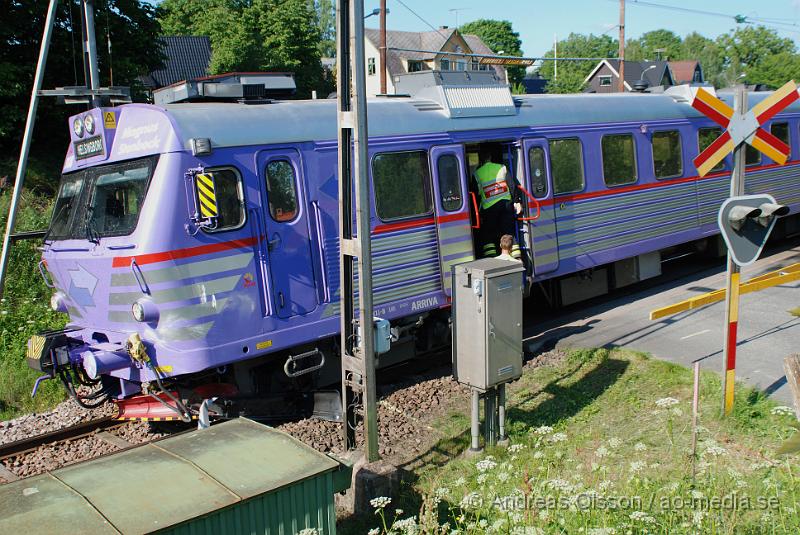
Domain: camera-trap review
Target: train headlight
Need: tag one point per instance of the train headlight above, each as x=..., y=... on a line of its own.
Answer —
x=77, y=126
x=88, y=123
x=58, y=302
x=144, y=311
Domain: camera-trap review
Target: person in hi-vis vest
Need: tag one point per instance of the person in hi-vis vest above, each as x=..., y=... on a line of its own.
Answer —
x=498, y=215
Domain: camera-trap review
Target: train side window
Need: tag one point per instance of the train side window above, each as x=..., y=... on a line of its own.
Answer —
x=566, y=164
x=538, y=171
x=281, y=190
x=402, y=184
x=752, y=156
x=449, y=182
x=667, y=154
x=707, y=136
x=619, y=159
x=230, y=199
x=781, y=131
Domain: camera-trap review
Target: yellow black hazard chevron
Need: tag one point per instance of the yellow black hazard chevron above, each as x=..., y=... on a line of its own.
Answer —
x=207, y=196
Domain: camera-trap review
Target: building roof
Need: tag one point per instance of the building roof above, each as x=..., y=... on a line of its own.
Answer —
x=651, y=71
x=186, y=57
x=432, y=40
x=683, y=71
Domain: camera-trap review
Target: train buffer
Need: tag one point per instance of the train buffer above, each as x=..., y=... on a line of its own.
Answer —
x=773, y=278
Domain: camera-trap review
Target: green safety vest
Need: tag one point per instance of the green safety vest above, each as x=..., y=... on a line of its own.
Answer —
x=492, y=188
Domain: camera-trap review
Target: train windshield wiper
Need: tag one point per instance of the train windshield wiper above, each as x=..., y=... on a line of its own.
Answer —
x=53, y=220
x=91, y=231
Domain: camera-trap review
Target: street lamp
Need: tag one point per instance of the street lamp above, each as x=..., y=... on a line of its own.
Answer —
x=376, y=11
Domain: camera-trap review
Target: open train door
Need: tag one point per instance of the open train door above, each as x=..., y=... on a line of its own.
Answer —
x=452, y=209
x=540, y=187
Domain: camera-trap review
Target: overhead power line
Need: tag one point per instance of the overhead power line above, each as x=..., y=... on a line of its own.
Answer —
x=434, y=28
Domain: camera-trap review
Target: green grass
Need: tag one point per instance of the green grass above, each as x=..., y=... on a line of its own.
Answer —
x=595, y=451
x=25, y=310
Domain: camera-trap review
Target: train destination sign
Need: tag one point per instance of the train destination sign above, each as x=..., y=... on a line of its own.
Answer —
x=744, y=128
x=88, y=148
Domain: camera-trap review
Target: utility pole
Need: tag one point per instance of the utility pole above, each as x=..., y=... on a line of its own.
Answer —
x=357, y=341
x=555, y=58
x=621, y=84
x=26, y=140
x=90, y=50
x=382, y=50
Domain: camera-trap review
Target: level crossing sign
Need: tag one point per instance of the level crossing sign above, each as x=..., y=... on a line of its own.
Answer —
x=744, y=127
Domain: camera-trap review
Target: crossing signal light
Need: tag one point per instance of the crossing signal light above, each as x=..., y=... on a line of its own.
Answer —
x=769, y=211
x=738, y=215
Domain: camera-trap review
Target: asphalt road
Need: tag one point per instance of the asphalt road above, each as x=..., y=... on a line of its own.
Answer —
x=767, y=332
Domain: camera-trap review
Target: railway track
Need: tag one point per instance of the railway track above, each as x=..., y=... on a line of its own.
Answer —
x=96, y=429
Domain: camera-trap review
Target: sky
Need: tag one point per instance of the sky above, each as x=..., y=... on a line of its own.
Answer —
x=538, y=21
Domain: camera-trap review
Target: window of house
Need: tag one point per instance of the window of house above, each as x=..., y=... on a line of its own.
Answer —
x=605, y=81
x=230, y=199
x=414, y=66
x=281, y=190
x=475, y=64
x=461, y=65
x=445, y=64
x=619, y=159
x=707, y=136
x=449, y=182
x=566, y=163
x=538, y=169
x=402, y=183
x=370, y=66
x=781, y=131
x=667, y=154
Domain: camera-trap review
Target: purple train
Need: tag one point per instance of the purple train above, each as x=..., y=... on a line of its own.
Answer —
x=194, y=246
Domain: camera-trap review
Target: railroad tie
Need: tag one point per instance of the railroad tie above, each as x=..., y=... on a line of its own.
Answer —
x=7, y=474
x=114, y=440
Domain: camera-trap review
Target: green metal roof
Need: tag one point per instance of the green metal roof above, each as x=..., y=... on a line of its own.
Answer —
x=163, y=483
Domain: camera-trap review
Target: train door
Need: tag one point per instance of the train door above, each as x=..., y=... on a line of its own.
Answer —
x=452, y=209
x=542, y=229
x=285, y=221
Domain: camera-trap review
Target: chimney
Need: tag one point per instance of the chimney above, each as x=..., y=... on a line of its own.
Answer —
x=443, y=27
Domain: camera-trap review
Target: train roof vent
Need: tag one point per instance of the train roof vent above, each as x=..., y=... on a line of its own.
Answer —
x=247, y=87
x=459, y=93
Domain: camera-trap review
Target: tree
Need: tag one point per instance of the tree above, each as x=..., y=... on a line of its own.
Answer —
x=747, y=51
x=498, y=35
x=654, y=45
x=253, y=35
x=707, y=52
x=326, y=23
x=571, y=74
x=132, y=27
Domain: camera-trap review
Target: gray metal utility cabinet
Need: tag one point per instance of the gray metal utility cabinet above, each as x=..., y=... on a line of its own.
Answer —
x=487, y=338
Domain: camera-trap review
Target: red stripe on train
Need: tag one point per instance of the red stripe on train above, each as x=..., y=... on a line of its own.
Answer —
x=152, y=258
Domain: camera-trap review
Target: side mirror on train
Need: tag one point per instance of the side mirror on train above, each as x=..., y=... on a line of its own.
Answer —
x=769, y=211
x=205, y=200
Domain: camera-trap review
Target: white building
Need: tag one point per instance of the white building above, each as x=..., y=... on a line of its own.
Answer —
x=437, y=43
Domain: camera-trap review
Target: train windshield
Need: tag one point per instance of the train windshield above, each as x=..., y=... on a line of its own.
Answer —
x=101, y=201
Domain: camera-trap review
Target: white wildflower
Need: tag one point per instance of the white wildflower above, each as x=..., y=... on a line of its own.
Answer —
x=560, y=485
x=602, y=451
x=601, y=531
x=614, y=442
x=697, y=495
x=442, y=492
x=782, y=410
x=482, y=478
x=374, y=531
x=715, y=451
x=309, y=531
x=485, y=465
x=380, y=502
x=514, y=448
x=543, y=430
x=558, y=437
x=4, y=312
x=544, y=514
x=483, y=523
x=398, y=512
x=639, y=447
x=460, y=482
x=503, y=477
x=637, y=466
x=663, y=403
x=408, y=525
x=472, y=500
x=641, y=516
x=604, y=485
x=538, y=455
x=672, y=487
x=498, y=524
